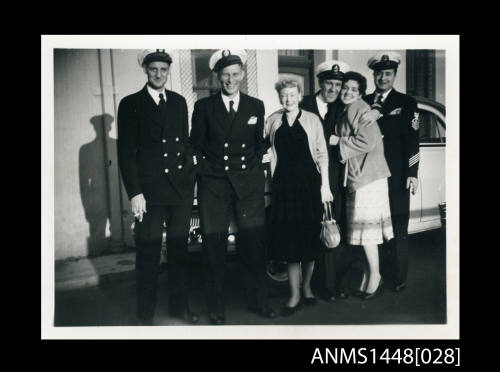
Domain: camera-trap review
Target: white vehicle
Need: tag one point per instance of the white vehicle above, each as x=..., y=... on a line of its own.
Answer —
x=428, y=205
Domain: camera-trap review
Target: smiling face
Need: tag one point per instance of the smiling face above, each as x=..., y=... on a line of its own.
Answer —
x=230, y=78
x=290, y=98
x=350, y=92
x=330, y=89
x=384, y=79
x=157, y=74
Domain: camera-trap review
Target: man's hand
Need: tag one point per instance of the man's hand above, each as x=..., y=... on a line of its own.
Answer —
x=369, y=117
x=334, y=140
x=266, y=158
x=138, y=206
x=412, y=184
x=326, y=194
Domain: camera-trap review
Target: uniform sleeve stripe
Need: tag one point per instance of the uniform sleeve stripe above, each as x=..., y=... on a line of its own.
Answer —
x=414, y=159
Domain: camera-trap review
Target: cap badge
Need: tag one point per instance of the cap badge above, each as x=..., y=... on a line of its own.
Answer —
x=160, y=50
x=335, y=68
x=226, y=53
x=385, y=57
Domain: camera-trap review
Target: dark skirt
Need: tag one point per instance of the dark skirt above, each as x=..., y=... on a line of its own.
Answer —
x=296, y=209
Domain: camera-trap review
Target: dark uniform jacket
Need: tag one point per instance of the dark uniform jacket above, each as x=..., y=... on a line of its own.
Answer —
x=154, y=152
x=230, y=148
x=399, y=126
x=334, y=110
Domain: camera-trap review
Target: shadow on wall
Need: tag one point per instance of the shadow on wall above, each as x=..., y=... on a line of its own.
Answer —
x=93, y=184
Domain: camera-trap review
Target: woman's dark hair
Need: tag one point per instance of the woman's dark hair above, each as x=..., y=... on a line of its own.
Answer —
x=360, y=79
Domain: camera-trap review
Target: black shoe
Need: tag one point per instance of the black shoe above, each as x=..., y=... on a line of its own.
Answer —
x=289, y=310
x=265, y=312
x=217, y=318
x=399, y=288
x=310, y=301
x=186, y=315
x=371, y=296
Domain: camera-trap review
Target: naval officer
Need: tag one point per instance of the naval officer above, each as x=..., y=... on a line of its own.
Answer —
x=399, y=126
x=157, y=167
x=227, y=135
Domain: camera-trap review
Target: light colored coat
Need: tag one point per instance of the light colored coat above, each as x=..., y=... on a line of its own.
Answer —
x=361, y=146
x=315, y=137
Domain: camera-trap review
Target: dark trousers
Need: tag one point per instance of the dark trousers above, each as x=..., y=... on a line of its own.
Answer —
x=218, y=203
x=394, y=254
x=148, y=236
x=332, y=270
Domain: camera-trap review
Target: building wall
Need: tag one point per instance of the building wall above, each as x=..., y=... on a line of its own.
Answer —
x=80, y=175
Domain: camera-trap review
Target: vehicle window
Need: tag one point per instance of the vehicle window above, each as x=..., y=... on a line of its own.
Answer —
x=432, y=129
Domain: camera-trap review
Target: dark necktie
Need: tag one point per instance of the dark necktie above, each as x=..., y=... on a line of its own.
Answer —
x=232, y=113
x=162, y=103
x=378, y=98
x=329, y=116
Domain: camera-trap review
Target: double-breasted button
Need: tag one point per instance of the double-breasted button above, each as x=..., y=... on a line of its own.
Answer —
x=243, y=145
x=242, y=158
x=226, y=145
x=226, y=157
x=165, y=155
x=176, y=139
x=180, y=166
x=226, y=168
x=243, y=166
x=178, y=154
x=166, y=170
x=164, y=140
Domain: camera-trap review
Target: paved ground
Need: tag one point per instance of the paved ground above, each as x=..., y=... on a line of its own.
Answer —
x=101, y=292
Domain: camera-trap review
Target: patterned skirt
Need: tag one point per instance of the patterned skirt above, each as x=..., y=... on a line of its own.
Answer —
x=368, y=214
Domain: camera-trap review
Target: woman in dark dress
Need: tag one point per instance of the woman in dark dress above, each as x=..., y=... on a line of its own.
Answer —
x=299, y=164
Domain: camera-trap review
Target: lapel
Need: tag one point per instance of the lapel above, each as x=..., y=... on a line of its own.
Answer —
x=150, y=107
x=220, y=113
x=390, y=99
x=369, y=98
x=169, y=111
x=315, y=107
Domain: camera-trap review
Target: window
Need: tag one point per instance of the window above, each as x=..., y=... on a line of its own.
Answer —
x=297, y=64
x=432, y=123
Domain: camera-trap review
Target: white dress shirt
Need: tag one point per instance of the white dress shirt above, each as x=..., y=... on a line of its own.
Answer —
x=156, y=95
x=235, y=99
x=322, y=106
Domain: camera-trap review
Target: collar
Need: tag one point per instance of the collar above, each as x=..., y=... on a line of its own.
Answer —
x=384, y=95
x=156, y=95
x=235, y=99
x=320, y=101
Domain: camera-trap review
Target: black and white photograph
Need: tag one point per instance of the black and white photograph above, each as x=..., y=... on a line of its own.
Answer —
x=250, y=187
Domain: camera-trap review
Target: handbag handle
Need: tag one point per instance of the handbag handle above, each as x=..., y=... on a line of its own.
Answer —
x=327, y=216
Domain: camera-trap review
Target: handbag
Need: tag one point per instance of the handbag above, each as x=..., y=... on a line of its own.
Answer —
x=330, y=233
